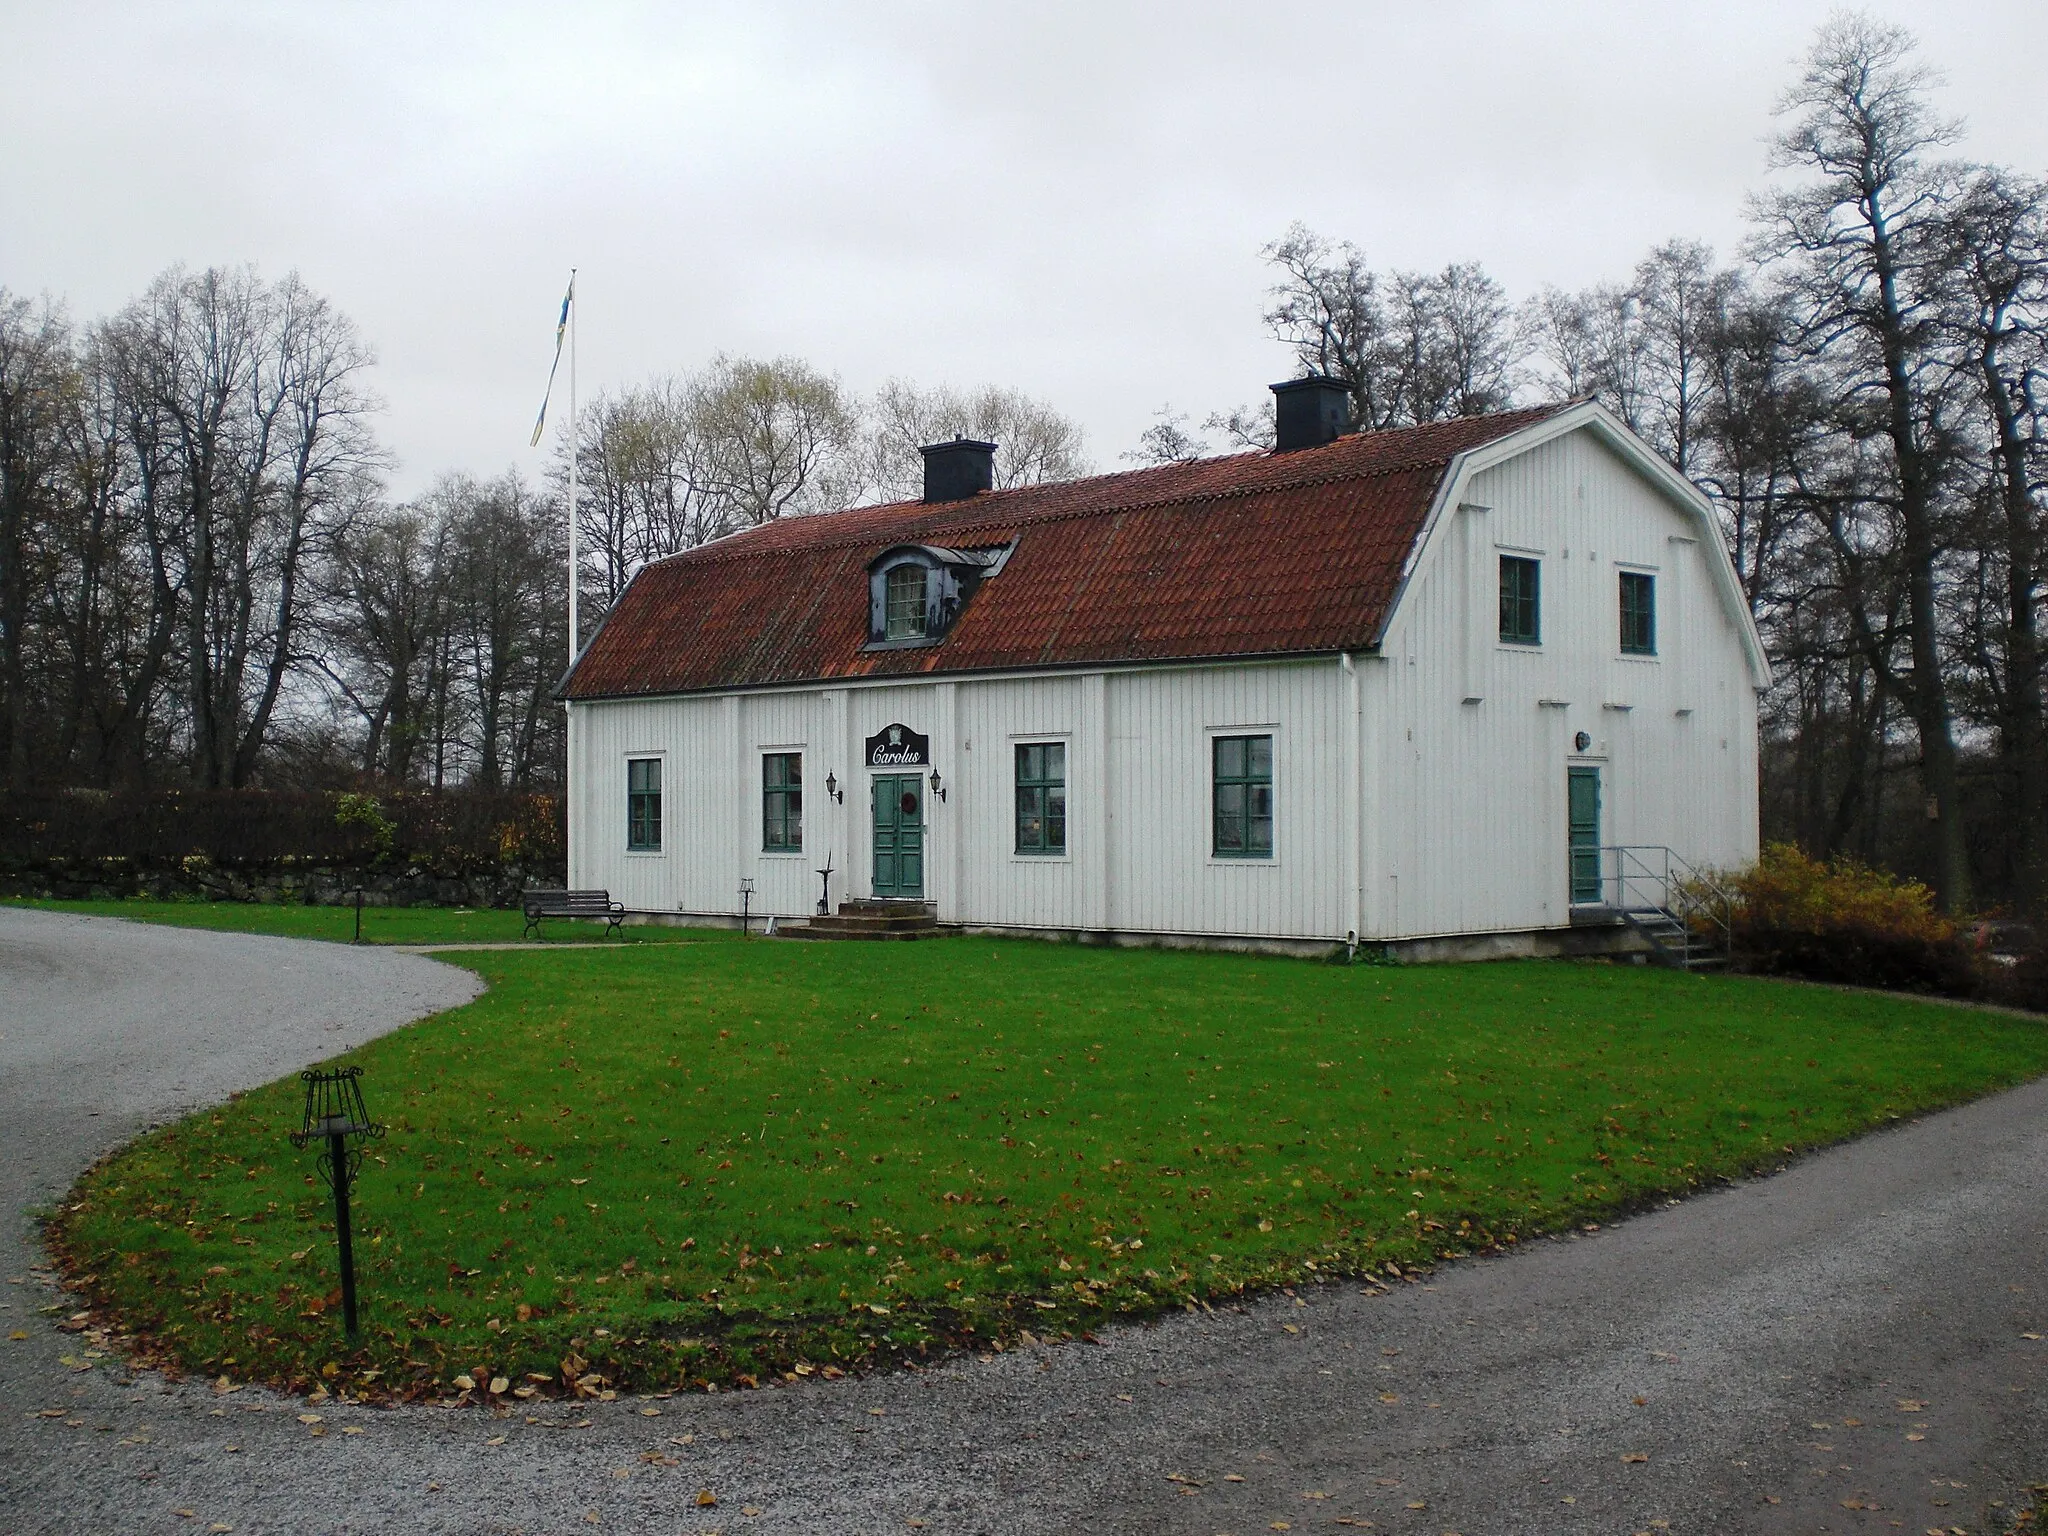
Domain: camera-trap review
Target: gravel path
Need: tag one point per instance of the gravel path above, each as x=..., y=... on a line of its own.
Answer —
x=1839, y=1348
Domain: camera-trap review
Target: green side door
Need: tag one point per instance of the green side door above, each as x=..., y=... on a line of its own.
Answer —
x=899, y=836
x=1583, y=803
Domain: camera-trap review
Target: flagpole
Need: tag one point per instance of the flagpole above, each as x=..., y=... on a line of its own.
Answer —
x=574, y=629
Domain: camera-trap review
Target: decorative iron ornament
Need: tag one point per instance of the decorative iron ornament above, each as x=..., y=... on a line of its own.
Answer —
x=336, y=1115
x=337, y=1118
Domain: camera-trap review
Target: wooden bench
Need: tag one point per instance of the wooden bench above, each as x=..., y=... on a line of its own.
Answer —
x=540, y=904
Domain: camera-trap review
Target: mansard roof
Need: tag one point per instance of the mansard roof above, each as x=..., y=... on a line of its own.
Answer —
x=1250, y=555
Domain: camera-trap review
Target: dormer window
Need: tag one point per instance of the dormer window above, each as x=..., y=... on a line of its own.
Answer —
x=903, y=609
x=916, y=591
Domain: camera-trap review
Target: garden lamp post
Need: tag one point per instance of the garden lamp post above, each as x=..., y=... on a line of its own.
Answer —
x=335, y=1114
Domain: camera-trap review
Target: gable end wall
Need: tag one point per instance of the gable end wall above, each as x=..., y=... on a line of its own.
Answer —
x=1470, y=833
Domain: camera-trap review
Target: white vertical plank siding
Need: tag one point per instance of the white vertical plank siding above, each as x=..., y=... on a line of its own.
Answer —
x=1159, y=773
x=1472, y=835
x=1088, y=794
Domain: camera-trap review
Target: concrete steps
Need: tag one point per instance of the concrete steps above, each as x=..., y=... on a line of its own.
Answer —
x=881, y=920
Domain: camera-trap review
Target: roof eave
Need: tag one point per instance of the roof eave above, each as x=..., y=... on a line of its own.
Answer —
x=1127, y=664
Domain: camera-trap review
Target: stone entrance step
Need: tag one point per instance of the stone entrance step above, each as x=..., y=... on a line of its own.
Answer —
x=869, y=920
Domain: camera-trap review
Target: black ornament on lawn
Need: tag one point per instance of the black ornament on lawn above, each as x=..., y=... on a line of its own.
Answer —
x=335, y=1116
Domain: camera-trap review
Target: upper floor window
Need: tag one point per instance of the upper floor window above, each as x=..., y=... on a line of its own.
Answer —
x=782, y=802
x=1638, y=614
x=1520, y=600
x=643, y=804
x=917, y=591
x=1042, y=797
x=1242, y=803
x=903, y=610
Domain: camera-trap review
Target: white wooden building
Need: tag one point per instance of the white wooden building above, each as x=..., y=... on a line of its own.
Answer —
x=1398, y=687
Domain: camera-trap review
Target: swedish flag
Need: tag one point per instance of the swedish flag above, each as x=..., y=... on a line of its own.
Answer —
x=561, y=330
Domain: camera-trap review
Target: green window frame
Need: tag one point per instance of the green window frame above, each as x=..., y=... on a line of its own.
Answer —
x=643, y=805
x=1521, y=609
x=782, y=802
x=903, y=602
x=1241, y=804
x=1041, y=797
x=1638, y=614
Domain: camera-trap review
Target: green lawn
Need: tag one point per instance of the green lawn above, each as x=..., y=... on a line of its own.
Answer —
x=381, y=925
x=691, y=1163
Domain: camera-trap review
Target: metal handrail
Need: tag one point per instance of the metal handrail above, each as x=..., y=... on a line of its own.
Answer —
x=1651, y=877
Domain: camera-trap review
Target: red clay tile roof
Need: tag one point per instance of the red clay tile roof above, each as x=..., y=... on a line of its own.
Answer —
x=1254, y=554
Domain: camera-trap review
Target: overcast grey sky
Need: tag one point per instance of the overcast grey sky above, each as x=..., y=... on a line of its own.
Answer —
x=1067, y=197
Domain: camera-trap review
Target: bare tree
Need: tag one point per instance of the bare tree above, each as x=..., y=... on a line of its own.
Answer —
x=1683, y=301
x=784, y=438
x=651, y=481
x=1856, y=248
x=505, y=621
x=38, y=381
x=246, y=408
x=1996, y=239
x=388, y=600
x=1034, y=442
x=1413, y=346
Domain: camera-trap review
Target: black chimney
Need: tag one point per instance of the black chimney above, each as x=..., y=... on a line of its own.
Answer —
x=1309, y=412
x=957, y=470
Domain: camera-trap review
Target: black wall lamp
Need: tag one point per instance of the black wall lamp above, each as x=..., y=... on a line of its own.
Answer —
x=335, y=1114
x=832, y=788
x=938, y=788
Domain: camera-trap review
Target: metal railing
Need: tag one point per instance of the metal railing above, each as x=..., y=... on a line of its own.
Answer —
x=1644, y=877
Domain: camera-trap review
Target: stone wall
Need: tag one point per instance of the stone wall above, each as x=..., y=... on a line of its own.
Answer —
x=285, y=882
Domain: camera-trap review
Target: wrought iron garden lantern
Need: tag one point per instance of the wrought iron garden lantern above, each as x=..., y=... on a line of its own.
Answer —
x=335, y=1115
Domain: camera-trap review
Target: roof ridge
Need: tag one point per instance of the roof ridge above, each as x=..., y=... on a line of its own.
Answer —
x=731, y=548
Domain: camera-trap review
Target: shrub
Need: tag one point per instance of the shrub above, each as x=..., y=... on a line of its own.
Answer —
x=364, y=811
x=1843, y=921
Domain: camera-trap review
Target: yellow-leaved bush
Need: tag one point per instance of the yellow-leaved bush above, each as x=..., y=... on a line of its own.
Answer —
x=1841, y=920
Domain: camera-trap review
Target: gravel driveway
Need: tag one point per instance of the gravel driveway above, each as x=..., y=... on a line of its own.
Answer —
x=1843, y=1347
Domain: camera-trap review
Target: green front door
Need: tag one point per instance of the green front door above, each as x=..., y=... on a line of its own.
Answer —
x=899, y=836
x=1583, y=799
